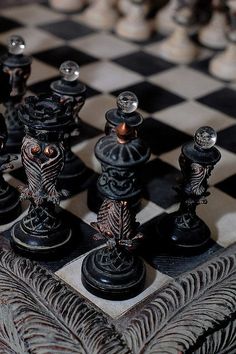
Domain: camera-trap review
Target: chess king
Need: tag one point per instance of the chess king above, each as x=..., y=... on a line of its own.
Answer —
x=42, y=232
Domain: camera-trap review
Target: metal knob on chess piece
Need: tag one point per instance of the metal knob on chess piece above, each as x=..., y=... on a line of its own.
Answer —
x=42, y=231
x=183, y=228
x=113, y=272
x=75, y=175
x=17, y=66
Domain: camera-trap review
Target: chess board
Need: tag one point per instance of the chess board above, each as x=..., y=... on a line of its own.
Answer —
x=175, y=100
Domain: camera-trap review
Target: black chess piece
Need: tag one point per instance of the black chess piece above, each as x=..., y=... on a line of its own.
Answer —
x=42, y=232
x=126, y=111
x=75, y=174
x=10, y=206
x=184, y=229
x=113, y=272
x=17, y=66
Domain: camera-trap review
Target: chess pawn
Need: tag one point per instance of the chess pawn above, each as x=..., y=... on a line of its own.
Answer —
x=10, y=207
x=75, y=175
x=178, y=47
x=134, y=25
x=124, y=6
x=164, y=18
x=113, y=272
x=223, y=65
x=213, y=35
x=67, y=5
x=42, y=231
x=101, y=14
x=17, y=66
x=183, y=228
x=126, y=111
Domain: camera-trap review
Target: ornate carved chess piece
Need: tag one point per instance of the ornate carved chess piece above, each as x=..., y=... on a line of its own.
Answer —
x=75, y=175
x=184, y=229
x=113, y=272
x=10, y=206
x=223, y=65
x=42, y=232
x=126, y=111
x=18, y=67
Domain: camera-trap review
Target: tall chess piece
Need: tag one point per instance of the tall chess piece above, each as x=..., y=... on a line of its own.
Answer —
x=213, y=35
x=126, y=111
x=75, y=175
x=134, y=24
x=113, y=272
x=178, y=47
x=10, y=206
x=223, y=65
x=17, y=66
x=42, y=232
x=183, y=228
x=101, y=14
x=164, y=18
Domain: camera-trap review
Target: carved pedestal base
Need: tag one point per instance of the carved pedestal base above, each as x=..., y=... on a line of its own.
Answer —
x=74, y=176
x=189, y=236
x=113, y=274
x=10, y=207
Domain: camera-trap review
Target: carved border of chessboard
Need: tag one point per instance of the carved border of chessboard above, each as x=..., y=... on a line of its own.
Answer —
x=193, y=314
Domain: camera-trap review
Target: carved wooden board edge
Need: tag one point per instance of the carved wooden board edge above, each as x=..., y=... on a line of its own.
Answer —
x=193, y=314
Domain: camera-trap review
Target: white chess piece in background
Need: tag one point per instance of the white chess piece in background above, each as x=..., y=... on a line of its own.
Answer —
x=164, y=19
x=101, y=14
x=67, y=5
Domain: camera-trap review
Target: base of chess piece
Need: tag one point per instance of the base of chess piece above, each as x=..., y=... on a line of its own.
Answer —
x=10, y=206
x=223, y=66
x=188, y=235
x=75, y=175
x=40, y=234
x=67, y=5
x=113, y=274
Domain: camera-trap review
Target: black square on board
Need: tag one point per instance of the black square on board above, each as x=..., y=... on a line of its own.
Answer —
x=67, y=29
x=7, y=24
x=228, y=186
x=227, y=138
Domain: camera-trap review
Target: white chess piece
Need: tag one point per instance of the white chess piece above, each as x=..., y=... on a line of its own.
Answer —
x=134, y=25
x=123, y=6
x=101, y=14
x=164, y=19
x=178, y=47
x=213, y=34
x=67, y=5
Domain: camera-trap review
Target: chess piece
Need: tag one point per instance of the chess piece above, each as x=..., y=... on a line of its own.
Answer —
x=164, y=18
x=223, y=65
x=42, y=231
x=127, y=104
x=67, y=5
x=10, y=207
x=113, y=272
x=123, y=6
x=183, y=228
x=213, y=35
x=101, y=14
x=134, y=25
x=178, y=47
x=75, y=175
x=17, y=66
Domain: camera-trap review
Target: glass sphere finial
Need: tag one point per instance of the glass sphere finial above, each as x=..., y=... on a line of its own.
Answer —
x=16, y=45
x=127, y=102
x=205, y=137
x=69, y=70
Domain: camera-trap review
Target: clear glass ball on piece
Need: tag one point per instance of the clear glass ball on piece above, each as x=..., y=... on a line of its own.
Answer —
x=205, y=137
x=16, y=45
x=127, y=102
x=69, y=70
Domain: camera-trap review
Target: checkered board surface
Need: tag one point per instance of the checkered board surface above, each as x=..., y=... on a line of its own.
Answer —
x=175, y=100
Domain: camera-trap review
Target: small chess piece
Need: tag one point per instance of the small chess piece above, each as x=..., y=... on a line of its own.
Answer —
x=213, y=35
x=183, y=228
x=126, y=111
x=101, y=14
x=75, y=175
x=164, y=18
x=113, y=272
x=223, y=65
x=10, y=207
x=67, y=5
x=134, y=25
x=178, y=47
x=17, y=66
x=42, y=232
